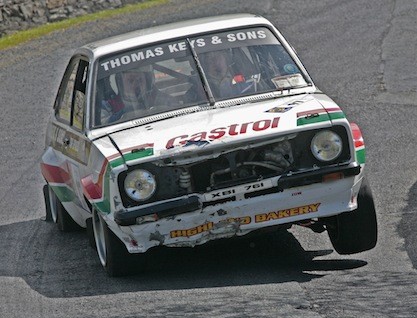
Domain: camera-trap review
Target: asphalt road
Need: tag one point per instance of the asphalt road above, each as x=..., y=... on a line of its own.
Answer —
x=363, y=53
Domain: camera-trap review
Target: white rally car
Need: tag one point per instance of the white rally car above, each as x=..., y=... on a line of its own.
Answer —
x=200, y=130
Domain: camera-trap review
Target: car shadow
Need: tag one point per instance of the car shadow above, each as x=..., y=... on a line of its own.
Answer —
x=57, y=264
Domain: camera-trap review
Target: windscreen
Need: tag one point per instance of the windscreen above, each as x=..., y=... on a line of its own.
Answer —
x=189, y=72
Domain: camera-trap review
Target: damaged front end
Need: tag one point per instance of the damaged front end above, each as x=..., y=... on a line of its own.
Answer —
x=212, y=192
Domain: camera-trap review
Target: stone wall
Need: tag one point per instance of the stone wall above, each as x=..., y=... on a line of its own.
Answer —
x=18, y=15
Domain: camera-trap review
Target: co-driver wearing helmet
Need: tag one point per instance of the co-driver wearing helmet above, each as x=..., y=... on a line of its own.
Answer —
x=136, y=94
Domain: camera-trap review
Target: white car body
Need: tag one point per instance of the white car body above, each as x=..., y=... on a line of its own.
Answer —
x=83, y=164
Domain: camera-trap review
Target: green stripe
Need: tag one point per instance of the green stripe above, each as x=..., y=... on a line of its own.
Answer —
x=320, y=118
x=360, y=156
x=102, y=206
x=312, y=120
x=337, y=115
x=138, y=154
x=117, y=162
x=63, y=193
x=131, y=156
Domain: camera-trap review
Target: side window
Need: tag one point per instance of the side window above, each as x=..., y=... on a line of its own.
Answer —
x=64, y=102
x=70, y=105
x=79, y=96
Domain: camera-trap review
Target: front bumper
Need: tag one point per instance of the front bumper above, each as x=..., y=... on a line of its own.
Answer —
x=194, y=220
x=195, y=202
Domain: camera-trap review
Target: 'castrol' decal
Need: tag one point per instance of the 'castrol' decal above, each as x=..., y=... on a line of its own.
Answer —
x=220, y=132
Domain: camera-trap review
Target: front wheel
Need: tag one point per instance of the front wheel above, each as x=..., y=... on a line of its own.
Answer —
x=112, y=253
x=356, y=231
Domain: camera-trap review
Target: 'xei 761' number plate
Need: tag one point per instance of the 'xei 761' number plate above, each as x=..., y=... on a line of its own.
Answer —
x=238, y=190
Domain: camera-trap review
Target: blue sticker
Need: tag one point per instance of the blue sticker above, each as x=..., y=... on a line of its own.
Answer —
x=290, y=68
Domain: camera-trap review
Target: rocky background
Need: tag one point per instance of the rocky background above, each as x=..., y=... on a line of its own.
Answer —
x=16, y=15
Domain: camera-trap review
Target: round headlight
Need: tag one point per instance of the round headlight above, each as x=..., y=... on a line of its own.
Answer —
x=326, y=145
x=140, y=185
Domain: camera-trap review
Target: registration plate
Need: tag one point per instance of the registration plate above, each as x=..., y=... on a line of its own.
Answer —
x=238, y=191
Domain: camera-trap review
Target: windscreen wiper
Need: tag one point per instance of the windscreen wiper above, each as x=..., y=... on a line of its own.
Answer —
x=200, y=70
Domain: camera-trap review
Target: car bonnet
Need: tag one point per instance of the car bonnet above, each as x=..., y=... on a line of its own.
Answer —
x=219, y=128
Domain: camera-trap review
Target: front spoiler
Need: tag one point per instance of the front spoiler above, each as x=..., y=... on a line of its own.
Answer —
x=160, y=210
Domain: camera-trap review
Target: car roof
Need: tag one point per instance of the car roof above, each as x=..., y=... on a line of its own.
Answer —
x=169, y=31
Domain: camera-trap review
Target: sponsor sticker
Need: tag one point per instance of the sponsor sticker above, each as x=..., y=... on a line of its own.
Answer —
x=220, y=132
x=164, y=51
x=305, y=209
x=244, y=220
x=279, y=109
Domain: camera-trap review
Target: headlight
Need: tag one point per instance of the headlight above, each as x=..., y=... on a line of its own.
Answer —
x=140, y=185
x=326, y=145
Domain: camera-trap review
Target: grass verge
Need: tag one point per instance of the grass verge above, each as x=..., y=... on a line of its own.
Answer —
x=36, y=32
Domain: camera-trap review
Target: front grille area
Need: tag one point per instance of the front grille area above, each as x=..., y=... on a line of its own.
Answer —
x=244, y=166
x=237, y=166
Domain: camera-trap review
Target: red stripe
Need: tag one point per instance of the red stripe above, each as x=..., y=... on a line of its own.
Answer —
x=318, y=111
x=356, y=131
x=309, y=112
x=91, y=190
x=110, y=158
x=55, y=174
x=357, y=135
x=335, y=109
x=359, y=143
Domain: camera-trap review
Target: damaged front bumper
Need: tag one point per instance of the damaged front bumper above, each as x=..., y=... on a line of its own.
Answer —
x=195, y=219
x=190, y=203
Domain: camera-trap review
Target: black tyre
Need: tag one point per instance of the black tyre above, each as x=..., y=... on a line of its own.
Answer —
x=55, y=212
x=356, y=231
x=111, y=251
x=90, y=233
x=48, y=212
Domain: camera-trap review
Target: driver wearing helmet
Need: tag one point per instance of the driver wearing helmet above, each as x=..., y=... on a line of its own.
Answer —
x=227, y=79
x=137, y=93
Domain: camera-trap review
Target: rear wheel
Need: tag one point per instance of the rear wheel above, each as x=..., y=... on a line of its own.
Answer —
x=55, y=212
x=50, y=204
x=356, y=231
x=112, y=253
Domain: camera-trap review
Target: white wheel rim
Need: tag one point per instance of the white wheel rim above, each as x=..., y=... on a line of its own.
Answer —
x=53, y=204
x=98, y=229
